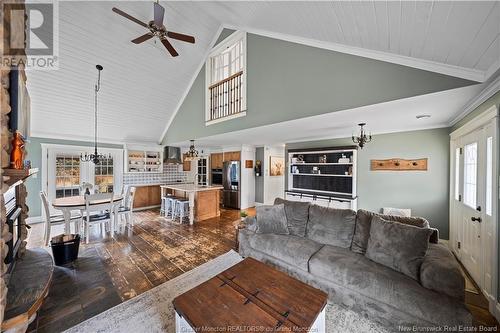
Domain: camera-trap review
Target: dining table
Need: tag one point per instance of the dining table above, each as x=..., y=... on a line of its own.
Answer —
x=77, y=203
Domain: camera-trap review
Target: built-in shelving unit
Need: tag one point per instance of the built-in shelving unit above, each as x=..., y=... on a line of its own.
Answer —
x=324, y=176
x=143, y=160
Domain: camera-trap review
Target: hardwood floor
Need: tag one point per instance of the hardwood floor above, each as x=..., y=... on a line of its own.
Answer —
x=112, y=270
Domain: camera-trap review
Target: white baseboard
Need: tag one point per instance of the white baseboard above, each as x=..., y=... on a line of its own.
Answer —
x=34, y=220
x=259, y=204
x=494, y=307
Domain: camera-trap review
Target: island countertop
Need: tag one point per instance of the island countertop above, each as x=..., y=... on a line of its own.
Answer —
x=192, y=187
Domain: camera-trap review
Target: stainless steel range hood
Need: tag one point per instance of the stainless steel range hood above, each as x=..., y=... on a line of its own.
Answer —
x=172, y=155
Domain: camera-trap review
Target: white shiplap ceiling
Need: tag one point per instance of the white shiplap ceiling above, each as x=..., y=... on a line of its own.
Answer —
x=142, y=86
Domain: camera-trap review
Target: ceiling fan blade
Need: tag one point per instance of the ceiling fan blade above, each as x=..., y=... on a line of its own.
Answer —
x=159, y=12
x=131, y=18
x=169, y=47
x=142, y=38
x=184, y=38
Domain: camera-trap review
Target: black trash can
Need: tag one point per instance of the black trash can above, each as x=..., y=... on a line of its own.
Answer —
x=65, y=248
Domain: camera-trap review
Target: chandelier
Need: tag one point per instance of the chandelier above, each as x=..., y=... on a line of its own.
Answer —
x=192, y=154
x=362, y=139
x=95, y=157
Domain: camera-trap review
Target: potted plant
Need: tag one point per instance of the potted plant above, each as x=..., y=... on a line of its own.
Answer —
x=243, y=215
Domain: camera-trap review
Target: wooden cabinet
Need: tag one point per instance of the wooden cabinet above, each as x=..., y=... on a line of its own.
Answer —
x=232, y=156
x=207, y=205
x=186, y=165
x=147, y=196
x=142, y=159
x=216, y=161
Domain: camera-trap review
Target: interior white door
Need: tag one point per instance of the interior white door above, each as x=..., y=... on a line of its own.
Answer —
x=475, y=193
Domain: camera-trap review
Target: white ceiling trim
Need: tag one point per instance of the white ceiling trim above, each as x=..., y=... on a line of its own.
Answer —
x=493, y=69
x=486, y=93
x=191, y=82
x=457, y=71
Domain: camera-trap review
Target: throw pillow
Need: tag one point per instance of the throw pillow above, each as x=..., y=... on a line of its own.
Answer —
x=331, y=226
x=398, y=246
x=297, y=214
x=271, y=220
x=363, y=222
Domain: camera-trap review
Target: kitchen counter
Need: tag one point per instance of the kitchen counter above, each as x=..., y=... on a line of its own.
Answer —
x=204, y=200
x=192, y=187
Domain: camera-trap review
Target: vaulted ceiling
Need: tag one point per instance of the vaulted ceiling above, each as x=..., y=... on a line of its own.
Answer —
x=142, y=86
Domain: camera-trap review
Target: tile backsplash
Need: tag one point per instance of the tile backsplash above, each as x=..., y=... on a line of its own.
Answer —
x=171, y=173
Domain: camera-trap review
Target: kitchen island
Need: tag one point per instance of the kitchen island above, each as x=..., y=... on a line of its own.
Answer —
x=203, y=200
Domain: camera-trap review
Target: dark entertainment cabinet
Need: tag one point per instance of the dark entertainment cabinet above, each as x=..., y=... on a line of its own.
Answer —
x=323, y=176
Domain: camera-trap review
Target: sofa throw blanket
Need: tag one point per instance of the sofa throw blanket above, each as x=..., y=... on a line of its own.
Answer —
x=398, y=246
x=271, y=220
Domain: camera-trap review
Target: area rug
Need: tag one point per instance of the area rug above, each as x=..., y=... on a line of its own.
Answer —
x=152, y=311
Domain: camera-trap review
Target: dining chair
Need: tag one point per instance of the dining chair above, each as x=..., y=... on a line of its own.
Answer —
x=126, y=210
x=55, y=219
x=98, y=210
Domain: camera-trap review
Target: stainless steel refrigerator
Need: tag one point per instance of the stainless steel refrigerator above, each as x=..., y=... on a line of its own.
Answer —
x=231, y=184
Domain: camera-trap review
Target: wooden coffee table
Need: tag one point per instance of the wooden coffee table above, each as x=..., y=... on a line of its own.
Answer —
x=251, y=297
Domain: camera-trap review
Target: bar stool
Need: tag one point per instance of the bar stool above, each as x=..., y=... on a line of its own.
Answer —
x=181, y=210
x=170, y=203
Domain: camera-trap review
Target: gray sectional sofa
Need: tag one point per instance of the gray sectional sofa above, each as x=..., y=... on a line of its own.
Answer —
x=327, y=248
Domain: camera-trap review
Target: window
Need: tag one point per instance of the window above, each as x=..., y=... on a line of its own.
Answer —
x=457, y=174
x=489, y=175
x=470, y=175
x=226, y=79
x=67, y=175
x=104, y=176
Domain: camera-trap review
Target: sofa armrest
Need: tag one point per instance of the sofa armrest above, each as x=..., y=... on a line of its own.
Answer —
x=434, y=236
x=441, y=272
x=250, y=223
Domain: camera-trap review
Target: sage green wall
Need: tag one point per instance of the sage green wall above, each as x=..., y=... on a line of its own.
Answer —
x=289, y=81
x=425, y=192
x=34, y=185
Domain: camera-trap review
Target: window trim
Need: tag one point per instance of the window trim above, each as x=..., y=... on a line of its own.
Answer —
x=224, y=44
x=46, y=147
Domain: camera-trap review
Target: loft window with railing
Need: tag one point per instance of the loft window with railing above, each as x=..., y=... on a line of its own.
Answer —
x=226, y=79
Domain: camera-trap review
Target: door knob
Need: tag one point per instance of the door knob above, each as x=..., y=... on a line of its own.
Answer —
x=476, y=219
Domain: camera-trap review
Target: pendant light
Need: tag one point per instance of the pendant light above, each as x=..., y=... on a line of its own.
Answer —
x=362, y=139
x=95, y=157
x=192, y=154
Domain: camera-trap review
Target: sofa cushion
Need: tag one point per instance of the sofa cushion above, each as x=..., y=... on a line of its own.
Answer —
x=363, y=222
x=271, y=220
x=360, y=275
x=398, y=246
x=331, y=226
x=441, y=272
x=295, y=251
x=297, y=214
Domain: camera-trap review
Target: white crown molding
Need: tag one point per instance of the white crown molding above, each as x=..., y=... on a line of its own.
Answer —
x=87, y=139
x=191, y=82
x=461, y=72
x=492, y=70
x=486, y=93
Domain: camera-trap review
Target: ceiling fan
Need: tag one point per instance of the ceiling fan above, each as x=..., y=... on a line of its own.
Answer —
x=157, y=29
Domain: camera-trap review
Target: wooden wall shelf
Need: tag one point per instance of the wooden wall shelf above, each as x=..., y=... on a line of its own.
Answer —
x=399, y=164
x=17, y=175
